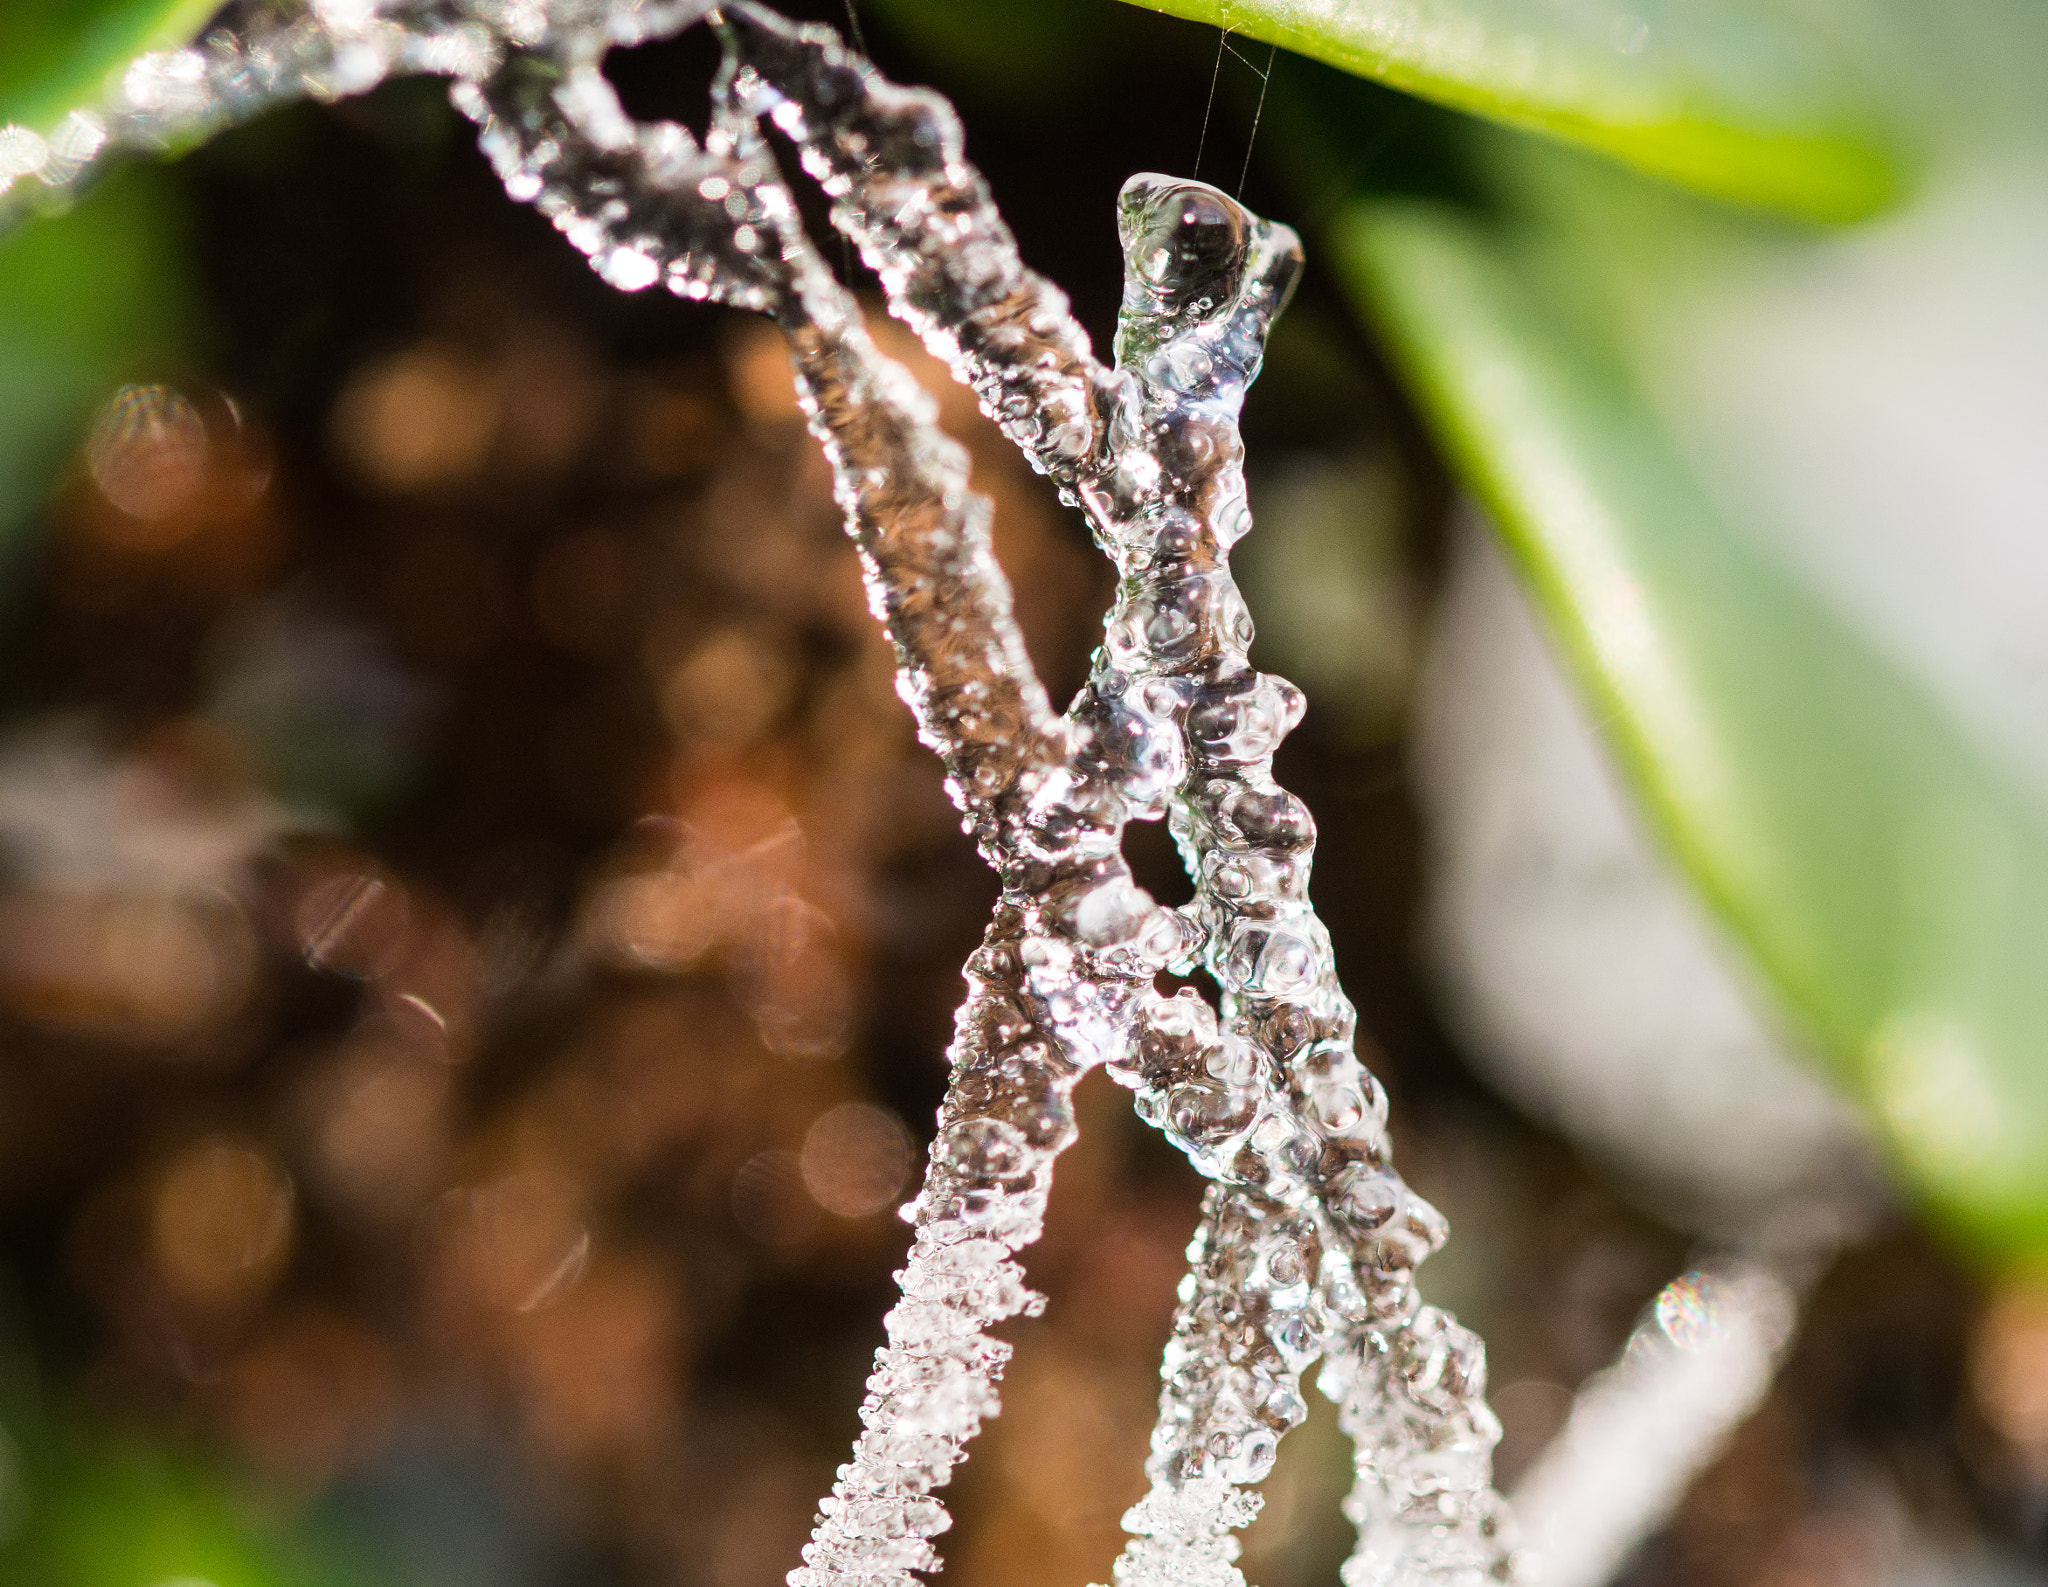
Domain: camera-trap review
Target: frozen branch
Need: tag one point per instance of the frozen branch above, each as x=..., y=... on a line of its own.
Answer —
x=1309, y=1238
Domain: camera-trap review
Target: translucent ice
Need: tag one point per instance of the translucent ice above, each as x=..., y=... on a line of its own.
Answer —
x=1308, y=1239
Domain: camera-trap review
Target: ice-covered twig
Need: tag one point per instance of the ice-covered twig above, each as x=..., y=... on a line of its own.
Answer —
x=1696, y=1366
x=1273, y=1101
x=1055, y=986
x=1309, y=1239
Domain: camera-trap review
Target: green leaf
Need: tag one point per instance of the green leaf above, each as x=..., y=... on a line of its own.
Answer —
x=1012, y=53
x=133, y=1518
x=1725, y=98
x=1886, y=874
x=135, y=1514
x=88, y=299
x=56, y=55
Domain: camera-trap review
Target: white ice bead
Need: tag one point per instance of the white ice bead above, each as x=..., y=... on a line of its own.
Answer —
x=1208, y=1113
x=1233, y=1060
x=1267, y=818
x=1111, y=912
x=1175, y=621
x=982, y=1152
x=1242, y=720
x=890, y=1517
x=1232, y=519
x=1366, y=1199
x=168, y=84
x=1337, y=1104
x=1285, y=1267
x=1278, y=959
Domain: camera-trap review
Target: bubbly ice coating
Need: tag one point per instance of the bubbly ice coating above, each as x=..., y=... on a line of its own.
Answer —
x=1308, y=1239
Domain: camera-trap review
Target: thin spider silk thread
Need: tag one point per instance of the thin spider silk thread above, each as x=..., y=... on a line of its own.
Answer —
x=1265, y=77
x=1258, y=110
x=1208, y=110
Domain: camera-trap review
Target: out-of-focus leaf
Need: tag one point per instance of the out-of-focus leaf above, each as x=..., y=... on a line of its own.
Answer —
x=133, y=1515
x=1726, y=98
x=1010, y=51
x=133, y=1519
x=87, y=299
x=1888, y=876
x=56, y=55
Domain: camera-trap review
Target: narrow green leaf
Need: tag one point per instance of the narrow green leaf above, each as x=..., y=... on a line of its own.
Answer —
x=1889, y=879
x=1724, y=98
x=56, y=55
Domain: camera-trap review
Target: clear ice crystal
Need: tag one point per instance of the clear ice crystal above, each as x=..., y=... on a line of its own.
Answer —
x=1308, y=1239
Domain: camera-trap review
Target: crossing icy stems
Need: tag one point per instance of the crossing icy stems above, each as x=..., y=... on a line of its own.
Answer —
x=1310, y=1239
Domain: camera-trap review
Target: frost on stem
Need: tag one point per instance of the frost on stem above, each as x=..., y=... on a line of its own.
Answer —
x=1308, y=1240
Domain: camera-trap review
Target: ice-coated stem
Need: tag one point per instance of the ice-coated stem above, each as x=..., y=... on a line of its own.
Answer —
x=1275, y=1101
x=1695, y=1367
x=893, y=161
x=1055, y=986
x=1309, y=1239
x=1322, y=1236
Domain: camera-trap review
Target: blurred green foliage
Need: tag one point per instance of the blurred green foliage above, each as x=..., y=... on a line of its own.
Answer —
x=1011, y=51
x=84, y=1508
x=57, y=54
x=1890, y=879
x=88, y=298
x=1731, y=98
x=1883, y=866
x=135, y=1517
